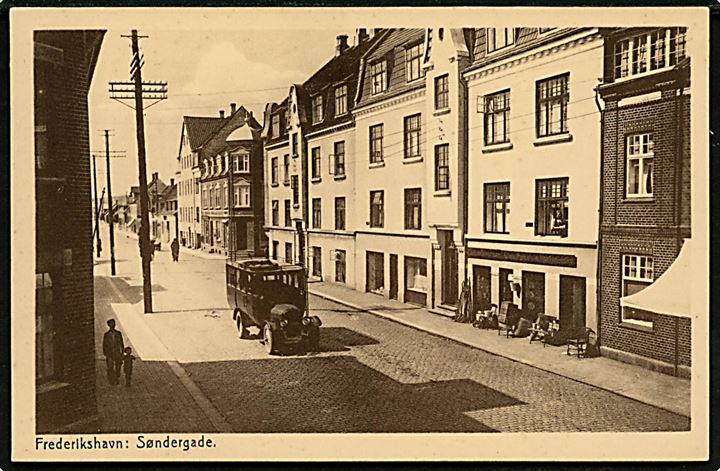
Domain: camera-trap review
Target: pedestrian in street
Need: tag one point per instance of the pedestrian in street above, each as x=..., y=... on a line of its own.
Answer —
x=175, y=249
x=127, y=361
x=113, y=347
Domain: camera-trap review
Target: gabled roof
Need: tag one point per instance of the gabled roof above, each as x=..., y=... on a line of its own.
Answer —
x=201, y=128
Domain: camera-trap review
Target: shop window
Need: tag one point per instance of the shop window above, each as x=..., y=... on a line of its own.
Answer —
x=340, y=266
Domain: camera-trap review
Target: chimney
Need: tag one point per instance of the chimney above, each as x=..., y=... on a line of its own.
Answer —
x=362, y=35
x=172, y=181
x=376, y=31
x=154, y=176
x=342, y=44
x=232, y=108
x=222, y=113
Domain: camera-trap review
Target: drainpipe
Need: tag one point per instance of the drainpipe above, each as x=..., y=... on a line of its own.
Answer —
x=598, y=268
x=677, y=190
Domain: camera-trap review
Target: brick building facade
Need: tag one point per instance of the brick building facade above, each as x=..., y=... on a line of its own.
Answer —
x=64, y=62
x=645, y=191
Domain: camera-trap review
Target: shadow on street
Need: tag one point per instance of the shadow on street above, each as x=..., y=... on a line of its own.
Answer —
x=338, y=394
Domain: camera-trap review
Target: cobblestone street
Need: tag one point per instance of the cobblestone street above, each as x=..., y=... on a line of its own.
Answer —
x=371, y=375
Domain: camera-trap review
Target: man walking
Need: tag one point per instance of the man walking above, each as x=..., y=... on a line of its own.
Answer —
x=175, y=249
x=113, y=347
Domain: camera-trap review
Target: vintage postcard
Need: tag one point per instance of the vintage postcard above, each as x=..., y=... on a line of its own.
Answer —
x=360, y=234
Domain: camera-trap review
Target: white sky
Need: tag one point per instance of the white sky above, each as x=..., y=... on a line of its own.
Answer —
x=206, y=71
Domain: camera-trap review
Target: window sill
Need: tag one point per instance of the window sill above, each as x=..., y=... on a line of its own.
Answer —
x=340, y=177
x=286, y=183
x=413, y=160
x=489, y=148
x=638, y=199
x=296, y=206
x=552, y=236
x=316, y=179
x=418, y=291
x=496, y=233
x=275, y=185
x=637, y=326
x=441, y=111
x=441, y=193
x=554, y=139
x=377, y=164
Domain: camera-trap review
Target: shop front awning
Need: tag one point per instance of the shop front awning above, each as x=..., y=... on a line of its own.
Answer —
x=669, y=294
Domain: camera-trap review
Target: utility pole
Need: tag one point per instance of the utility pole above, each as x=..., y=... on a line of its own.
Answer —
x=138, y=90
x=111, y=221
x=98, y=244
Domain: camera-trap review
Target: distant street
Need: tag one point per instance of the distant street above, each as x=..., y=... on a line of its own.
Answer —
x=372, y=375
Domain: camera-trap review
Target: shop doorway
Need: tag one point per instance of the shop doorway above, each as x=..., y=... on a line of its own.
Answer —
x=572, y=303
x=533, y=294
x=449, y=268
x=393, y=276
x=375, y=272
x=482, y=285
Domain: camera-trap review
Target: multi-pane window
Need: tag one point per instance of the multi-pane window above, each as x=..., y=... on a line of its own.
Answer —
x=340, y=100
x=442, y=167
x=274, y=170
x=340, y=266
x=637, y=274
x=224, y=196
x=639, y=160
x=294, y=184
x=413, y=208
x=317, y=109
x=498, y=38
x=316, y=214
x=378, y=71
x=236, y=194
x=412, y=62
x=294, y=141
x=376, y=143
x=649, y=51
x=441, y=92
x=286, y=169
x=316, y=253
x=315, y=163
x=551, y=207
x=497, y=207
x=551, y=97
x=339, y=158
x=497, y=118
x=412, y=127
x=275, y=248
x=275, y=125
x=340, y=213
x=244, y=196
x=242, y=162
x=275, y=212
x=288, y=218
x=288, y=252
x=376, y=208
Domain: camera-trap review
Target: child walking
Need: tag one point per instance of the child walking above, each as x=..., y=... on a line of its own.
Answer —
x=127, y=360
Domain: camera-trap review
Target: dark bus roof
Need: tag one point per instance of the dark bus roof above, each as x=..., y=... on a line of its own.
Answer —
x=262, y=265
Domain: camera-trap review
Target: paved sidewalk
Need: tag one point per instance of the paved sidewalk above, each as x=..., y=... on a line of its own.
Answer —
x=657, y=389
x=162, y=397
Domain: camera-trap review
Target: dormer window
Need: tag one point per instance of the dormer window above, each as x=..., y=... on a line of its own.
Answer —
x=413, y=56
x=498, y=38
x=378, y=71
x=340, y=100
x=317, y=109
x=275, y=127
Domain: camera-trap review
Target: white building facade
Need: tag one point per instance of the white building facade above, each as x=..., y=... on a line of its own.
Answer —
x=534, y=161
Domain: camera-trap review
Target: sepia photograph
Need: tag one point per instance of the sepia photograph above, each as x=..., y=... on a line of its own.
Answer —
x=347, y=233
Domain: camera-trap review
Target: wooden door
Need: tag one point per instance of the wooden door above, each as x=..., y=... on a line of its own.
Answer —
x=393, y=276
x=482, y=287
x=572, y=303
x=533, y=293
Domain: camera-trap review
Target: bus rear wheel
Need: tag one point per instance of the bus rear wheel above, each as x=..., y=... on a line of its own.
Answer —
x=241, y=325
